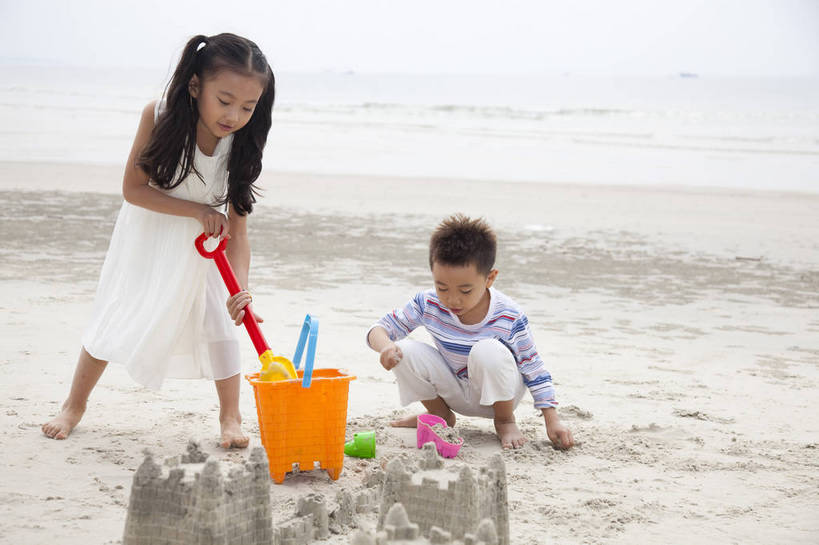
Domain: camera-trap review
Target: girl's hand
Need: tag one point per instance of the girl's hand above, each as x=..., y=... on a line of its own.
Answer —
x=391, y=356
x=214, y=223
x=236, y=305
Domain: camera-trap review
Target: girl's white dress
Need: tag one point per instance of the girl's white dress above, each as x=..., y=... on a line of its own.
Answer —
x=160, y=306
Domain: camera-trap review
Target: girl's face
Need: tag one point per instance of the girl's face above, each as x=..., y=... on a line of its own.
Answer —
x=226, y=102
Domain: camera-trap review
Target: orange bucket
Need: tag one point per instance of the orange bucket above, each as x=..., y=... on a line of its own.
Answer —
x=303, y=420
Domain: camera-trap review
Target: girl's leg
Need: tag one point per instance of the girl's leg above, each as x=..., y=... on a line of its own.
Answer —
x=230, y=419
x=88, y=372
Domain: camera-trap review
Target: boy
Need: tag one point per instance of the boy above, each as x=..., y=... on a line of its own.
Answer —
x=484, y=356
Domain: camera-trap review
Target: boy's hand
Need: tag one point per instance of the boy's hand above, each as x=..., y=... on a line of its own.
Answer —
x=236, y=305
x=559, y=435
x=390, y=356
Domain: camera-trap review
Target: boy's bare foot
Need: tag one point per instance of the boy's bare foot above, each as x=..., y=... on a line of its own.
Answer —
x=60, y=427
x=411, y=421
x=509, y=434
x=232, y=436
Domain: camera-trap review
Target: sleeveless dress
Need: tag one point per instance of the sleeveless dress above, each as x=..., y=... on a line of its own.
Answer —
x=160, y=308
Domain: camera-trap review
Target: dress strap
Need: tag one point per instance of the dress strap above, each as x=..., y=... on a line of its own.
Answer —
x=159, y=107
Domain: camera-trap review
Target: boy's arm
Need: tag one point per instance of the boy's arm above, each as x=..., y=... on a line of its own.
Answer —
x=539, y=382
x=394, y=326
x=379, y=340
x=530, y=364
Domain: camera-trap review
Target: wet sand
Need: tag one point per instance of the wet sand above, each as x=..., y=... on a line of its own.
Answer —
x=680, y=326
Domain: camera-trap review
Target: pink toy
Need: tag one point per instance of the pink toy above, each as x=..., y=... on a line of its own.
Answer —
x=426, y=434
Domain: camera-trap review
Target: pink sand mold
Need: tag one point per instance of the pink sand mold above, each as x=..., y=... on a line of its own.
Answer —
x=426, y=434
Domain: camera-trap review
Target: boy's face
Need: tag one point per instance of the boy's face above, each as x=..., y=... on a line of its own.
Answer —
x=463, y=290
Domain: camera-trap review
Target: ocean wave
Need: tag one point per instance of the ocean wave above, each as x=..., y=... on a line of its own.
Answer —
x=535, y=114
x=489, y=111
x=680, y=147
x=74, y=109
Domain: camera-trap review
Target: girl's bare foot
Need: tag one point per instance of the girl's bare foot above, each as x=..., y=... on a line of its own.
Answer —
x=60, y=427
x=232, y=436
x=411, y=421
x=509, y=434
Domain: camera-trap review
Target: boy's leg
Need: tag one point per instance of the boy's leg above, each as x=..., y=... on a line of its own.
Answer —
x=497, y=386
x=423, y=375
x=436, y=406
x=88, y=371
x=505, y=425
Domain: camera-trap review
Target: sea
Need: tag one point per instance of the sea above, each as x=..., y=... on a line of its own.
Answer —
x=684, y=130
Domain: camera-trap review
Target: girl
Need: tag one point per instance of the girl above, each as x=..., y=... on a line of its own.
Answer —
x=195, y=157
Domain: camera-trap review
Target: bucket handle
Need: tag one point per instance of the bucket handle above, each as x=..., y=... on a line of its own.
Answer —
x=308, y=329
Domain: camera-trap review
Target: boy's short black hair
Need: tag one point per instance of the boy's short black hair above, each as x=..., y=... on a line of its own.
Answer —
x=460, y=241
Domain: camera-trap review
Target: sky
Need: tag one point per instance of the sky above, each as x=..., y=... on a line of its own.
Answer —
x=589, y=37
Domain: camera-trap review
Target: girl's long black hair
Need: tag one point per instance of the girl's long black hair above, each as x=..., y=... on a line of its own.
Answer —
x=173, y=139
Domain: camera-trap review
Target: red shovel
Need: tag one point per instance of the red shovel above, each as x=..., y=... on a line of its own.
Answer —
x=273, y=367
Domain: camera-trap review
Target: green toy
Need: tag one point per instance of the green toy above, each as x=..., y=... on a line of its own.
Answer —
x=362, y=445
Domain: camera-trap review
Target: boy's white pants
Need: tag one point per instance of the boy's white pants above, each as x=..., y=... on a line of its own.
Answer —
x=423, y=374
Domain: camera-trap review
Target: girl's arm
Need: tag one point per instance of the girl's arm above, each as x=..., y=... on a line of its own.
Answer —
x=238, y=249
x=238, y=254
x=135, y=188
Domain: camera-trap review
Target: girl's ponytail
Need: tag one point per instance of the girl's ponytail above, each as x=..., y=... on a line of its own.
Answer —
x=171, y=145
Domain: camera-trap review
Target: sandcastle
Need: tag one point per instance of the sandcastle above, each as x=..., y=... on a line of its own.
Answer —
x=204, y=507
x=446, y=505
x=191, y=500
x=399, y=529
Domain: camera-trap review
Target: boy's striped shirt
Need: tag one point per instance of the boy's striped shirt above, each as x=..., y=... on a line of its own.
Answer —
x=504, y=321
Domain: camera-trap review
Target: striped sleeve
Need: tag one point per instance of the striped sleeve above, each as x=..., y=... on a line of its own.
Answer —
x=401, y=321
x=531, y=366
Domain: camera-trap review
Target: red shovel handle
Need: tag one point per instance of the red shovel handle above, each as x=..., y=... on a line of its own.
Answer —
x=218, y=255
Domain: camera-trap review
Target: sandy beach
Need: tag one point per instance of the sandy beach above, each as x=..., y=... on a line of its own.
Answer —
x=681, y=327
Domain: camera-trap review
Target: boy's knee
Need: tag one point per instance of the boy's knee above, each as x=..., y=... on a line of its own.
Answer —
x=406, y=345
x=412, y=349
x=491, y=354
